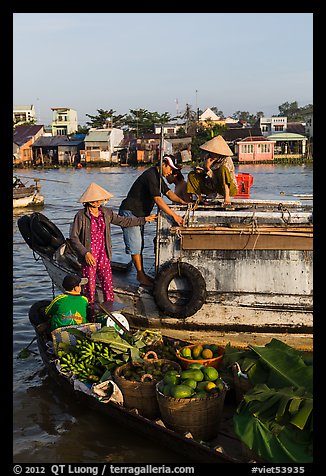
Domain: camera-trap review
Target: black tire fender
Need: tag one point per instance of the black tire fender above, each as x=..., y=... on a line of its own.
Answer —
x=45, y=231
x=196, y=296
x=24, y=225
x=36, y=312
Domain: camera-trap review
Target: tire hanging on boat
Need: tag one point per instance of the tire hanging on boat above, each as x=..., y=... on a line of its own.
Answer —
x=45, y=231
x=24, y=226
x=37, y=312
x=196, y=295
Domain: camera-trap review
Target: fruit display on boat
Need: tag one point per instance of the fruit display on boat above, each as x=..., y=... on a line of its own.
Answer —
x=204, y=354
x=198, y=381
x=146, y=371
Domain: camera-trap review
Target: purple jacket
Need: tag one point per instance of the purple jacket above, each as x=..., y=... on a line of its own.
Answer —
x=80, y=232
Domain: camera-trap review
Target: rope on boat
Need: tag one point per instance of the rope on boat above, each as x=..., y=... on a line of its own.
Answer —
x=53, y=292
x=34, y=255
x=238, y=371
x=283, y=209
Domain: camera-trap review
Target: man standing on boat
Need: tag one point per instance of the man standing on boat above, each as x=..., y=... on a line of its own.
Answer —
x=143, y=195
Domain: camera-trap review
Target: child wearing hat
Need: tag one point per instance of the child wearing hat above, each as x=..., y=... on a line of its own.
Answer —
x=91, y=239
x=69, y=308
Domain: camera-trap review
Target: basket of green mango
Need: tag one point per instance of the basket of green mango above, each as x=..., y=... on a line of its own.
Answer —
x=192, y=400
x=137, y=381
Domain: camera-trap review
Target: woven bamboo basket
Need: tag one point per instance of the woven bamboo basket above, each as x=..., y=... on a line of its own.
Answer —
x=140, y=395
x=199, y=416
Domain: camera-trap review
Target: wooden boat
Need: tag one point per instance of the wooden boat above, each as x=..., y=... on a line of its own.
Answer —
x=26, y=196
x=239, y=274
x=225, y=448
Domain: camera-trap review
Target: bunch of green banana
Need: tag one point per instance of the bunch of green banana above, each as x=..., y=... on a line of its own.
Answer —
x=88, y=351
x=69, y=362
x=88, y=360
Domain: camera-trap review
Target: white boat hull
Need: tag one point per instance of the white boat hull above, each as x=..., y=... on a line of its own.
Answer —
x=32, y=200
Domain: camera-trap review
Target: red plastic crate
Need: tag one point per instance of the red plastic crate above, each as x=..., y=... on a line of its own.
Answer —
x=245, y=181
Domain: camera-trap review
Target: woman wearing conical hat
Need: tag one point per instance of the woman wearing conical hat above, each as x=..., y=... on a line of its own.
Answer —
x=217, y=176
x=91, y=239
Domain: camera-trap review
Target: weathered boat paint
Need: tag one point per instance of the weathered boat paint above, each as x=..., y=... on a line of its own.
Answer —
x=253, y=292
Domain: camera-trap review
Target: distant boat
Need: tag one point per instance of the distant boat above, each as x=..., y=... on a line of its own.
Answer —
x=24, y=196
x=304, y=196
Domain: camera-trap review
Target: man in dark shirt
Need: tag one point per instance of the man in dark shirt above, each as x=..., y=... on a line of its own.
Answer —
x=143, y=195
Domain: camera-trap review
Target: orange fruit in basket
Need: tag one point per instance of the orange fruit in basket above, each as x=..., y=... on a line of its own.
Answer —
x=207, y=354
x=196, y=351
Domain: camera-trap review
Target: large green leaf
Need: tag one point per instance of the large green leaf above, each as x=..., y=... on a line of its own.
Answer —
x=284, y=406
x=274, y=417
x=287, y=367
x=301, y=417
x=287, y=446
x=110, y=336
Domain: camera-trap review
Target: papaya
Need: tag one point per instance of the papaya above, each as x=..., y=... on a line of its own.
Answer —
x=210, y=373
x=194, y=374
x=181, y=391
x=196, y=351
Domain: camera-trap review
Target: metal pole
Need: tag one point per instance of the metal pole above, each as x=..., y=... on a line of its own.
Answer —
x=161, y=155
x=158, y=223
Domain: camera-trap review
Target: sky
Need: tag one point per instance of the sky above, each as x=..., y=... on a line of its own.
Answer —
x=161, y=62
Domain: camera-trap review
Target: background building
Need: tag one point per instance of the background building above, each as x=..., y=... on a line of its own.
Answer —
x=22, y=114
x=64, y=121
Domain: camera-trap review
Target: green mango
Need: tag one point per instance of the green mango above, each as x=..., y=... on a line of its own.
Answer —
x=190, y=382
x=201, y=385
x=166, y=390
x=200, y=394
x=214, y=348
x=181, y=391
x=219, y=384
x=171, y=379
x=195, y=365
x=171, y=372
x=185, y=353
x=194, y=374
x=210, y=373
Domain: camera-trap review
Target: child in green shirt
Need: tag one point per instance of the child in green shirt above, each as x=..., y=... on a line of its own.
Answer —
x=69, y=308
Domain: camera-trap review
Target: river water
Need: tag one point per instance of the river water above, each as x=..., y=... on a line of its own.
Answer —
x=48, y=427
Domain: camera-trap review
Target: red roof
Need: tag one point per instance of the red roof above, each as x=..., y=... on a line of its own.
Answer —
x=255, y=139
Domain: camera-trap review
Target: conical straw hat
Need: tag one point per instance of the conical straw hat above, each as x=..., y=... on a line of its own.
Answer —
x=217, y=145
x=93, y=193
